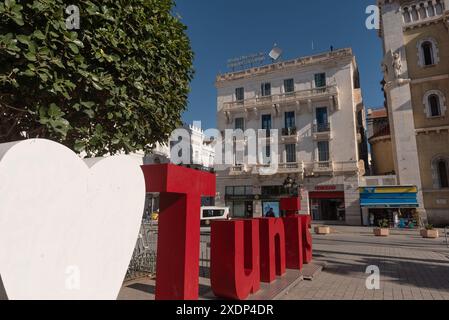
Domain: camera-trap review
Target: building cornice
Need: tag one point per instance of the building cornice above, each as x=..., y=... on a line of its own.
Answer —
x=302, y=62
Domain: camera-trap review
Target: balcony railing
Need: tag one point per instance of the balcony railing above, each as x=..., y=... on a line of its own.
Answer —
x=293, y=167
x=286, y=132
x=317, y=167
x=321, y=127
x=238, y=169
x=297, y=96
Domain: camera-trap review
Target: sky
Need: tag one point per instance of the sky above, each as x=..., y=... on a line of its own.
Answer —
x=224, y=29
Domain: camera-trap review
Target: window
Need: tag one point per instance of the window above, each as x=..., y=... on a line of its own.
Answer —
x=239, y=191
x=265, y=89
x=407, y=16
x=266, y=122
x=323, y=151
x=435, y=104
x=240, y=124
x=289, y=85
x=229, y=191
x=268, y=152
x=427, y=52
x=290, y=120
x=443, y=176
x=322, y=120
x=239, y=94
x=290, y=150
x=439, y=7
x=320, y=80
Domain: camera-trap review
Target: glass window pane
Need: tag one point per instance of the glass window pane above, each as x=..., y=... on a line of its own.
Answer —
x=289, y=120
x=323, y=151
x=239, y=191
x=240, y=94
x=240, y=124
x=289, y=85
x=320, y=80
x=266, y=89
x=239, y=210
x=291, y=153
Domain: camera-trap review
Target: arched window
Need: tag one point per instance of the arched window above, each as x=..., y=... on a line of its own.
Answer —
x=407, y=16
x=427, y=50
x=443, y=177
x=439, y=7
x=428, y=53
x=415, y=16
x=440, y=171
x=430, y=9
x=435, y=106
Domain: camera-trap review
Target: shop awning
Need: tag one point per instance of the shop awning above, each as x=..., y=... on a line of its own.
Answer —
x=389, y=197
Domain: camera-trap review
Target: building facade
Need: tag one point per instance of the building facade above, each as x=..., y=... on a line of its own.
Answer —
x=379, y=139
x=202, y=154
x=315, y=105
x=415, y=37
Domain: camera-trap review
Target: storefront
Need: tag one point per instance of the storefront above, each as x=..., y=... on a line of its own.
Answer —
x=240, y=201
x=397, y=204
x=244, y=200
x=327, y=203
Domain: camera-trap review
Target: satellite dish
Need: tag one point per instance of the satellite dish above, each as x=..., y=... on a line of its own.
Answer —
x=275, y=53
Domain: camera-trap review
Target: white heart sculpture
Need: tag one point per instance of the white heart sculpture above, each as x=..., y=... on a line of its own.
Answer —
x=67, y=227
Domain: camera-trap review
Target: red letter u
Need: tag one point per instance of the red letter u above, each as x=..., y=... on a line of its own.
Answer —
x=234, y=269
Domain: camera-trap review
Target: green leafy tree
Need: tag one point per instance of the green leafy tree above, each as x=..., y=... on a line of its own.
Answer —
x=117, y=84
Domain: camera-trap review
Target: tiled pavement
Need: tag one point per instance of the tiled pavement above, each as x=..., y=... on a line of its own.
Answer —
x=410, y=267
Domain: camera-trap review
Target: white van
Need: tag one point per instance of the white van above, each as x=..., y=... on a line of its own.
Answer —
x=213, y=213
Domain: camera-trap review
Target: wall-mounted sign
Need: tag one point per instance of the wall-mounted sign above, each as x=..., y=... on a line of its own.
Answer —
x=327, y=188
x=248, y=61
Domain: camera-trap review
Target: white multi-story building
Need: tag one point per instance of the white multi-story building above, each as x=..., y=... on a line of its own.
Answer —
x=316, y=104
x=202, y=154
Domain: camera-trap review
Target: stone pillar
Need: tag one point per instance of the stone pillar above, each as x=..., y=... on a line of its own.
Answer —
x=257, y=209
x=398, y=91
x=352, y=201
x=365, y=216
x=305, y=203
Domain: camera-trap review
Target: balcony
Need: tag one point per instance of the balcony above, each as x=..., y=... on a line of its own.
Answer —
x=294, y=167
x=323, y=167
x=308, y=96
x=282, y=168
x=348, y=166
x=237, y=170
x=322, y=131
x=290, y=135
x=333, y=167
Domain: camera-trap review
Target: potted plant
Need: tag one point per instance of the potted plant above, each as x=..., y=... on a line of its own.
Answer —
x=430, y=232
x=322, y=230
x=383, y=230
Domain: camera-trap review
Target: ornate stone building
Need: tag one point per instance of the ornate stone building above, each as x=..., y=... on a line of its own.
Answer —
x=315, y=104
x=415, y=37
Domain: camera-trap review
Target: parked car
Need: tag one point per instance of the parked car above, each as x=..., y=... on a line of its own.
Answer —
x=213, y=213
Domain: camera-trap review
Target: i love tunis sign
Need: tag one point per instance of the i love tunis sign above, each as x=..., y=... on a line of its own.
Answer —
x=68, y=227
x=243, y=252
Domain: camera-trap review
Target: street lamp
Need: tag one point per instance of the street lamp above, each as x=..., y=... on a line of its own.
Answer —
x=291, y=186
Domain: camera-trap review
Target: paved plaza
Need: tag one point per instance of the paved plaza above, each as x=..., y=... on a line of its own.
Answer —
x=410, y=267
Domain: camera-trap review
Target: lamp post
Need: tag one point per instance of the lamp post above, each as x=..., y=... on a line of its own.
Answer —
x=291, y=186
